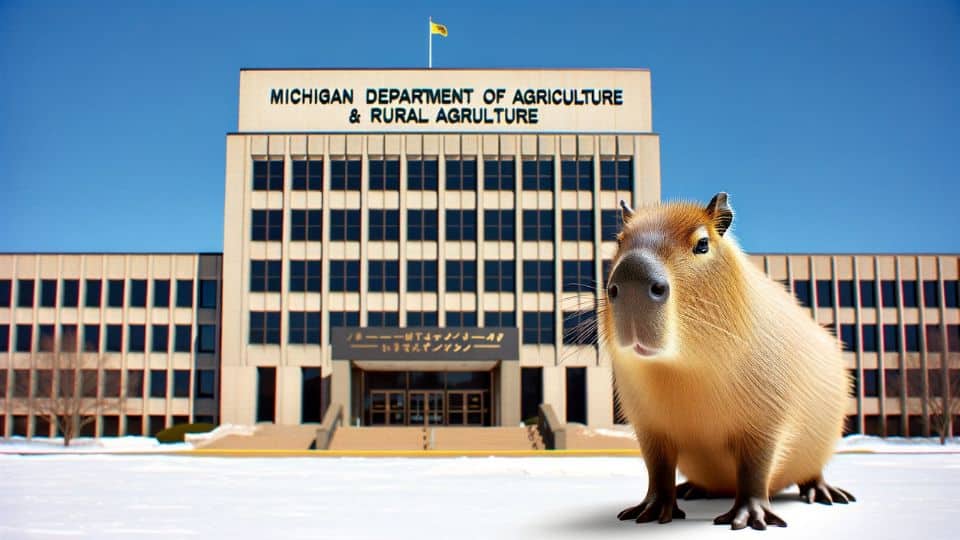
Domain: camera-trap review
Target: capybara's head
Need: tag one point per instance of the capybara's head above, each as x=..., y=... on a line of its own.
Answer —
x=672, y=263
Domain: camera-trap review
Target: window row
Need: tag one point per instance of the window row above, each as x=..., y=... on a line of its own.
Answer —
x=109, y=338
x=890, y=294
x=109, y=425
x=461, y=174
x=895, y=386
x=898, y=338
x=422, y=276
x=107, y=383
x=117, y=293
x=422, y=225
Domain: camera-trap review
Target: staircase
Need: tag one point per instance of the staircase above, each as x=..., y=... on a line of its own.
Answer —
x=437, y=438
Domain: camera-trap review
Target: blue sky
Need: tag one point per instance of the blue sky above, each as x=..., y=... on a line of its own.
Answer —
x=834, y=125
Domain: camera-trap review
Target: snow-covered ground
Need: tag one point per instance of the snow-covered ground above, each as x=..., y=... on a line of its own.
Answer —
x=86, y=445
x=137, y=496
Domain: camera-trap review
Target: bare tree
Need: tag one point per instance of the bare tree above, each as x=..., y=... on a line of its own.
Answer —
x=943, y=402
x=62, y=386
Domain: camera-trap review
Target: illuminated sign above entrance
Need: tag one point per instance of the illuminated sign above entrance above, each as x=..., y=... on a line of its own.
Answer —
x=450, y=344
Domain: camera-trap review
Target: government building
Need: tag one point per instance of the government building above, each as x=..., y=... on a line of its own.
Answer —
x=424, y=248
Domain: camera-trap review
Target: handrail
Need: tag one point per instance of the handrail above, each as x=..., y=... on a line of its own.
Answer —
x=553, y=433
x=331, y=421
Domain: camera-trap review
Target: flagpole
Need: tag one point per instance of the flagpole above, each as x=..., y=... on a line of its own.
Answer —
x=430, y=43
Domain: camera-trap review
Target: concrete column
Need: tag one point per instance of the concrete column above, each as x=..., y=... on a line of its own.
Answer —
x=340, y=387
x=600, y=396
x=509, y=393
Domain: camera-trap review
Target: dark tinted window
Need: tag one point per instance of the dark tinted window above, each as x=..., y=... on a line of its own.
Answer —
x=308, y=175
x=266, y=394
x=4, y=342
x=499, y=225
x=421, y=318
x=48, y=293
x=499, y=276
x=208, y=293
x=306, y=225
x=91, y=338
x=184, y=293
x=871, y=383
x=114, y=338
x=265, y=276
x=265, y=327
x=577, y=174
x=461, y=225
x=268, y=175
x=912, y=338
x=422, y=174
x=266, y=226
x=538, y=174
x=611, y=223
x=931, y=296
x=888, y=289
x=385, y=174
x=578, y=276
x=580, y=327
x=824, y=293
x=870, y=338
x=69, y=337
x=462, y=174
x=4, y=293
x=25, y=292
x=538, y=276
x=891, y=338
x=345, y=225
x=45, y=337
x=616, y=174
x=499, y=174
x=421, y=224
x=181, y=383
x=136, y=338
x=845, y=290
x=801, y=289
x=383, y=319
x=461, y=276
x=182, y=338
x=70, y=296
x=93, y=290
x=384, y=276
x=305, y=276
x=111, y=383
x=499, y=318
x=304, y=327
x=115, y=293
x=538, y=225
x=460, y=319
x=538, y=327
x=135, y=383
x=205, y=383
x=868, y=294
x=344, y=276
x=577, y=225
x=160, y=338
x=158, y=383
x=384, y=225
x=576, y=394
x=910, y=294
x=206, y=338
x=345, y=174
x=344, y=318
x=951, y=294
x=421, y=276
x=138, y=293
x=848, y=335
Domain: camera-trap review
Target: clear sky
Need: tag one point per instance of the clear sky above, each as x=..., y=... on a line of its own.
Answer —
x=835, y=126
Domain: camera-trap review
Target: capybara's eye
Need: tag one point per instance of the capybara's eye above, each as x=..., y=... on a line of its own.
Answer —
x=702, y=246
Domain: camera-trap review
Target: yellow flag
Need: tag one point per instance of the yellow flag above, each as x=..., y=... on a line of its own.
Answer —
x=437, y=28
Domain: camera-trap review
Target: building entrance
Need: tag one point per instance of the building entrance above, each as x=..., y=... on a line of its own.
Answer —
x=426, y=398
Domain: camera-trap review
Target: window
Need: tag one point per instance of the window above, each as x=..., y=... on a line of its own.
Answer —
x=208, y=293
x=931, y=298
x=801, y=289
x=206, y=338
x=422, y=174
x=44, y=383
x=462, y=225
x=951, y=294
x=91, y=338
x=138, y=293
x=499, y=319
x=305, y=276
x=611, y=223
x=870, y=338
x=384, y=225
x=580, y=327
x=93, y=290
x=264, y=327
x=4, y=293
x=953, y=338
x=265, y=276
x=184, y=293
x=422, y=276
x=22, y=383
x=499, y=174
x=538, y=327
x=306, y=225
x=158, y=383
x=893, y=382
x=461, y=319
x=160, y=334
x=538, y=276
x=848, y=334
x=868, y=294
x=308, y=175
x=311, y=395
x=266, y=394
x=345, y=174
x=45, y=337
x=344, y=276
x=909, y=294
x=134, y=425
x=25, y=293
x=48, y=293
x=499, y=225
x=4, y=342
x=912, y=337
x=578, y=276
x=345, y=225
x=576, y=388
x=576, y=174
x=161, y=293
x=205, y=381
x=135, y=383
x=88, y=382
x=891, y=338
x=181, y=383
x=499, y=276
x=268, y=175
x=383, y=319
x=461, y=276
x=70, y=295
x=114, y=338
x=462, y=174
x=538, y=225
x=421, y=318
x=182, y=338
x=845, y=290
x=111, y=383
x=888, y=289
x=136, y=338
x=824, y=293
x=538, y=174
x=385, y=174
x=115, y=293
x=384, y=276
x=267, y=226
x=871, y=383
x=577, y=225
x=616, y=174
x=344, y=318
x=421, y=225
x=68, y=337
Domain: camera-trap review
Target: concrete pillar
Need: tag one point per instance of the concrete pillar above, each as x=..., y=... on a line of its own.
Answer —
x=509, y=393
x=340, y=388
x=600, y=396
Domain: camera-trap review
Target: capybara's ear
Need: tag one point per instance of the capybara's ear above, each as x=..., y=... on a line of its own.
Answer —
x=627, y=211
x=720, y=212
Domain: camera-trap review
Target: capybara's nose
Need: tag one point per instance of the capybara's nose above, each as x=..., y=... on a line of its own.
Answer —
x=638, y=277
x=659, y=290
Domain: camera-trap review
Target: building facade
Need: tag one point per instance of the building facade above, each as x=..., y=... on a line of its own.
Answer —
x=428, y=247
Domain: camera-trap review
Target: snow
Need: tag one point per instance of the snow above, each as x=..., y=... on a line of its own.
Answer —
x=86, y=445
x=198, y=439
x=140, y=496
x=898, y=445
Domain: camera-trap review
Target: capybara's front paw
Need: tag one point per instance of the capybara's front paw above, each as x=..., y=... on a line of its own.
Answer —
x=752, y=511
x=653, y=508
x=817, y=490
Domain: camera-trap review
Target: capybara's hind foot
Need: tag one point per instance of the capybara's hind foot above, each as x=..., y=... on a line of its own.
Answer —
x=653, y=508
x=817, y=490
x=752, y=511
x=689, y=491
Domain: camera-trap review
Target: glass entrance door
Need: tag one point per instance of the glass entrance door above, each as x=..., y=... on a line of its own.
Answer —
x=426, y=407
x=466, y=408
x=387, y=408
